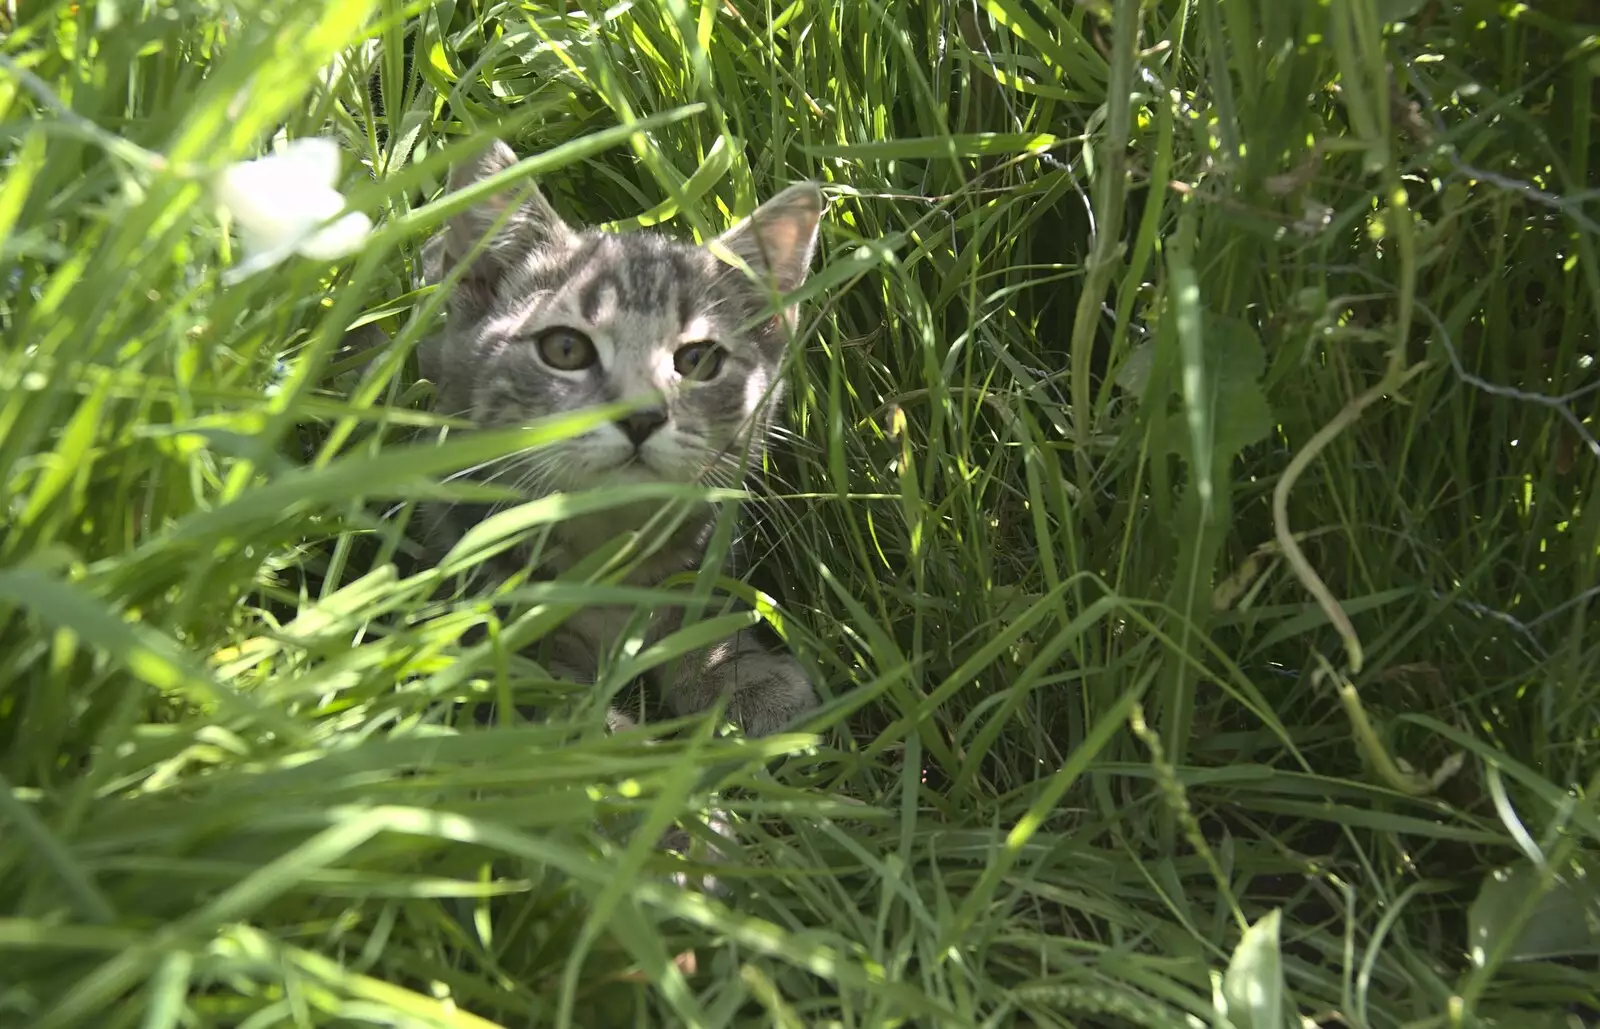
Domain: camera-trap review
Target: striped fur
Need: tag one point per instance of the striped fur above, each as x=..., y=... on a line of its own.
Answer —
x=639, y=298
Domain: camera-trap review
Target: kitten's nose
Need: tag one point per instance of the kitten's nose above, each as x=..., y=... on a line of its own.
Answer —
x=641, y=424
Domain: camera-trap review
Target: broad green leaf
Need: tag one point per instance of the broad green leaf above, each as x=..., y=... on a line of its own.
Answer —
x=711, y=171
x=1391, y=11
x=1222, y=361
x=1235, y=361
x=1080, y=65
x=1507, y=1016
x=1253, y=986
x=980, y=144
x=1564, y=921
x=506, y=526
x=1133, y=374
x=399, y=472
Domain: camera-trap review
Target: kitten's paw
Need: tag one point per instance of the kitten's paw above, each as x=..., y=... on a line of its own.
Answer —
x=678, y=840
x=765, y=691
x=617, y=722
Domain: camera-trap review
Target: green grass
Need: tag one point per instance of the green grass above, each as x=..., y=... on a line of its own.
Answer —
x=1188, y=514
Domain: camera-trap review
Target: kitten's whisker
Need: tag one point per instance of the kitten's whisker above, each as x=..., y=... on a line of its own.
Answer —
x=753, y=474
x=533, y=476
x=791, y=438
x=724, y=466
x=722, y=478
x=465, y=472
x=452, y=477
x=518, y=463
x=767, y=476
x=790, y=526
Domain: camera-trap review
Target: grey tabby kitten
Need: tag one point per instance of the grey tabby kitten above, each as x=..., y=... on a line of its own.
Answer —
x=552, y=318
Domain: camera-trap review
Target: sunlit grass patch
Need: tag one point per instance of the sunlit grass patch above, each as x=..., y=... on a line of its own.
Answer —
x=1184, y=501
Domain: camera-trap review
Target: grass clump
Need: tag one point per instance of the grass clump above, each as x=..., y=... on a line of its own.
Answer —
x=1188, y=512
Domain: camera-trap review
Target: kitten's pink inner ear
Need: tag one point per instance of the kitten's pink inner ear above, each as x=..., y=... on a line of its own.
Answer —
x=780, y=236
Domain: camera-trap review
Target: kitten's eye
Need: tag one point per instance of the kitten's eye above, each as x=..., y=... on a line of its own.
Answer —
x=699, y=361
x=566, y=350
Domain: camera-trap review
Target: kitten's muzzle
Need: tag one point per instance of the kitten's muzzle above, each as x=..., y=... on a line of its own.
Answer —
x=641, y=425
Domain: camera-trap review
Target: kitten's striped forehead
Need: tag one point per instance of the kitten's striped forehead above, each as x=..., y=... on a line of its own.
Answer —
x=604, y=277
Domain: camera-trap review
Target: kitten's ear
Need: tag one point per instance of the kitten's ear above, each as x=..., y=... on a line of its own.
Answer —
x=779, y=239
x=533, y=225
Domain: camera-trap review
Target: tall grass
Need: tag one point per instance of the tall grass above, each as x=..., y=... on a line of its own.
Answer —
x=1186, y=512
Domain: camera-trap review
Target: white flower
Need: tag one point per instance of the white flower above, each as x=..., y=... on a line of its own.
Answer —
x=286, y=203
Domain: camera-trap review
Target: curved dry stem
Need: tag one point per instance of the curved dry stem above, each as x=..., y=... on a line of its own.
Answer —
x=1280, y=507
x=1409, y=782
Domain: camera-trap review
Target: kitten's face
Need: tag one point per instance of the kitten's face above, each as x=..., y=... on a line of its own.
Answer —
x=549, y=319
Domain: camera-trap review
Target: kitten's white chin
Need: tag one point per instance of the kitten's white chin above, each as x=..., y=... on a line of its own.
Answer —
x=617, y=467
x=633, y=469
x=630, y=472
